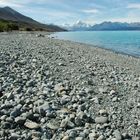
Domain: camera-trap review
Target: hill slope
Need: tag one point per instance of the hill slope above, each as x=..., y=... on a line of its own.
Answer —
x=10, y=16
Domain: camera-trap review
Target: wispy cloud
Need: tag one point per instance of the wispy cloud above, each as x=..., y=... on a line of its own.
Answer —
x=9, y=3
x=48, y=13
x=134, y=6
x=20, y=3
x=91, y=11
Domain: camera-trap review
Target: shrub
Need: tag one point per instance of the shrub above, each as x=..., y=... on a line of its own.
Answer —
x=28, y=29
x=7, y=26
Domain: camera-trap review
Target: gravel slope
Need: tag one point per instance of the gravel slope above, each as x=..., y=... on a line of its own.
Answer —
x=60, y=90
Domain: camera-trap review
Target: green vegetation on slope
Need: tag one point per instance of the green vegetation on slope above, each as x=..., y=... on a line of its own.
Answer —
x=7, y=26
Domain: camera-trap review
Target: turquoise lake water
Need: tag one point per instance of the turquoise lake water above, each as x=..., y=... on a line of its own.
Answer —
x=127, y=42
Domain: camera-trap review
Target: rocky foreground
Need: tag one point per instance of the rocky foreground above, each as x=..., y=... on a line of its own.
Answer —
x=59, y=90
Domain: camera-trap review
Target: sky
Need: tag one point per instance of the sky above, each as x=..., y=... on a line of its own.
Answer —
x=62, y=12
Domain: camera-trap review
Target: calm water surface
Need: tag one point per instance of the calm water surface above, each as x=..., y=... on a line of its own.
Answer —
x=127, y=42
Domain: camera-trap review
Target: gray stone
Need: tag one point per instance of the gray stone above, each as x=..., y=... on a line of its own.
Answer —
x=10, y=96
x=14, y=136
x=10, y=119
x=5, y=125
x=53, y=125
x=114, y=99
x=81, y=115
x=92, y=136
x=64, y=123
x=96, y=100
x=78, y=121
x=135, y=138
x=46, y=106
x=112, y=92
x=3, y=118
x=103, y=89
x=31, y=125
x=102, y=112
x=66, y=138
x=79, y=138
x=36, y=134
x=101, y=138
x=65, y=99
x=67, y=123
x=117, y=135
x=89, y=90
x=20, y=120
x=59, y=88
x=72, y=134
x=101, y=120
x=70, y=124
x=16, y=111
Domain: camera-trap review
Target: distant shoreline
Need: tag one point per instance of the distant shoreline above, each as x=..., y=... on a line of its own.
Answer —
x=107, y=54
x=97, y=46
x=62, y=37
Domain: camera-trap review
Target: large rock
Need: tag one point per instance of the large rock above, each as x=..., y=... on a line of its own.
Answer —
x=101, y=120
x=31, y=125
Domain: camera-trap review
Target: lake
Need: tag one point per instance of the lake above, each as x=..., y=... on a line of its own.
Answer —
x=127, y=42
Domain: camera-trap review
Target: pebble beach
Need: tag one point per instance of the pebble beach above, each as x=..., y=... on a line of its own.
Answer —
x=52, y=89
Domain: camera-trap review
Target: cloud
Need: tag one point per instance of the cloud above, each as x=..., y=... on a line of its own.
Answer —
x=19, y=3
x=133, y=6
x=50, y=13
x=8, y=3
x=91, y=11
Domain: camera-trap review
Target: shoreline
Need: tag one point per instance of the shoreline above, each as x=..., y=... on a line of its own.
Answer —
x=62, y=90
x=91, y=44
x=97, y=46
x=107, y=52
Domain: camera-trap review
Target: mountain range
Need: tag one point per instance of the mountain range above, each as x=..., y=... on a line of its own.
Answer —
x=104, y=26
x=9, y=16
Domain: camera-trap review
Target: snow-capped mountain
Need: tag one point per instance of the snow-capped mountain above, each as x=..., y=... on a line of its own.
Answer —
x=78, y=26
x=109, y=26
